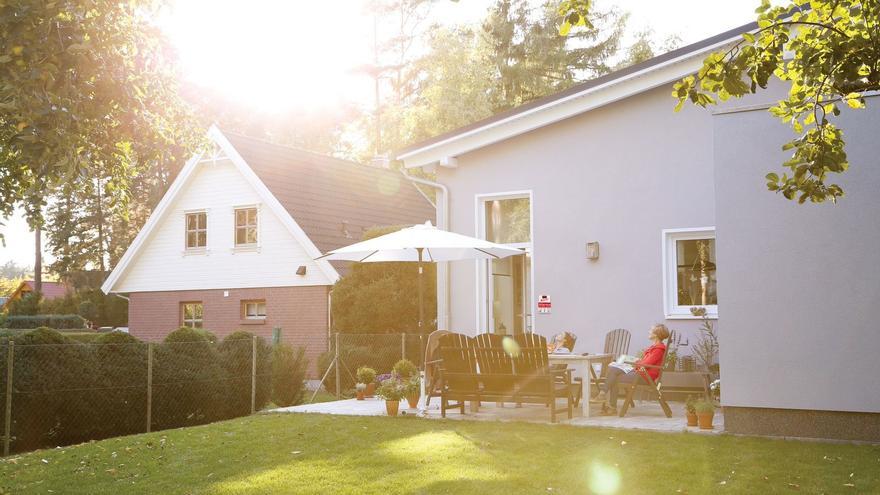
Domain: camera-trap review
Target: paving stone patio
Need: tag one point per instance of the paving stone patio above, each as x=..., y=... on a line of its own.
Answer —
x=646, y=415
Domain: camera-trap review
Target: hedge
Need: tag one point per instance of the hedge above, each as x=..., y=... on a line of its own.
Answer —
x=69, y=392
x=57, y=322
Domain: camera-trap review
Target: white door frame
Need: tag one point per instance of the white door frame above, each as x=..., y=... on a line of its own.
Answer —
x=483, y=290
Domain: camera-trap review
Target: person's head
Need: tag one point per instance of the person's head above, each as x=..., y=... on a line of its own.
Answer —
x=659, y=333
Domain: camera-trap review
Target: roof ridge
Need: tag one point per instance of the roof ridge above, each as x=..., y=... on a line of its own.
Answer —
x=290, y=147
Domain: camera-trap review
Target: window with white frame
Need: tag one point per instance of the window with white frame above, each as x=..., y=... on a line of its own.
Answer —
x=254, y=310
x=246, y=226
x=192, y=314
x=690, y=279
x=196, y=230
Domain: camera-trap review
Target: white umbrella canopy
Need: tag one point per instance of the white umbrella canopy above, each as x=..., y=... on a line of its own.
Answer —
x=421, y=243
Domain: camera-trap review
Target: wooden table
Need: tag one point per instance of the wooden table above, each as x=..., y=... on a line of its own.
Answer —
x=588, y=374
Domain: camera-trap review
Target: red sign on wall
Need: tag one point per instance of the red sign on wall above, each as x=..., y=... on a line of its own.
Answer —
x=544, y=304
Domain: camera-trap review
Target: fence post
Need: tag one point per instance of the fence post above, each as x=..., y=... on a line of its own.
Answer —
x=7, y=429
x=149, y=385
x=336, y=361
x=253, y=374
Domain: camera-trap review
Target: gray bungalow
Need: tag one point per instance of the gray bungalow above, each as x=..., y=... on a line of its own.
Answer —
x=793, y=287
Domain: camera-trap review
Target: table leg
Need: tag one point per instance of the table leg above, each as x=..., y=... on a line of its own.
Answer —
x=585, y=389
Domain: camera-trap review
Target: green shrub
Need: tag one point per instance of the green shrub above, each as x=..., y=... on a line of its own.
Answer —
x=236, y=354
x=365, y=375
x=121, y=406
x=28, y=305
x=189, y=382
x=288, y=375
x=405, y=369
x=352, y=358
x=57, y=322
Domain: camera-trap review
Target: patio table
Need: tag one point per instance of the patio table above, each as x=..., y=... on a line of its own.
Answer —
x=585, y=365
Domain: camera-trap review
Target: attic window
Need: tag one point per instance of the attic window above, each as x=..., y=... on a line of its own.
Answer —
x=196, y=230
x=245, y=226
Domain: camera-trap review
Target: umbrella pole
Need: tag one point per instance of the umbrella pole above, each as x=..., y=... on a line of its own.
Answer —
x=421, y=307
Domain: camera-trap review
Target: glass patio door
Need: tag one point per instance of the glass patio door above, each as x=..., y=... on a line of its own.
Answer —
x=506, y=284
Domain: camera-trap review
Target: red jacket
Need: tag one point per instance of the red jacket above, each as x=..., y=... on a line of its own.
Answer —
x=653, y=356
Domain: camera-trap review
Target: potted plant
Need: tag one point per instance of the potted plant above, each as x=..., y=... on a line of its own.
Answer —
x=361, y=389
x=690, y=406
x=367, y=376
x=391, y=390
x=408, y=373
x=705, y=412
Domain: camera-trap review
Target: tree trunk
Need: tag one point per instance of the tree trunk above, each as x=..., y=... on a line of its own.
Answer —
x=38, y=260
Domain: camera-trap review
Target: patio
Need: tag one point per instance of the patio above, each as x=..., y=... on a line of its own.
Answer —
x=647, y=415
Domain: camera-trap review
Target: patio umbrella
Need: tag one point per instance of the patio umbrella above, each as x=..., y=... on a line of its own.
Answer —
x=421, y=243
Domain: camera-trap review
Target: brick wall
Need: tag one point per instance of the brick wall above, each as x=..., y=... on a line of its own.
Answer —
x=301, y=312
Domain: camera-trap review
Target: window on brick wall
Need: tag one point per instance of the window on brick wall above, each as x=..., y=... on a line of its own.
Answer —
x=192, y=314
x=254, y=310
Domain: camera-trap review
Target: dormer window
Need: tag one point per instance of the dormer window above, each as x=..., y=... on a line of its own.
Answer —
x=246, y=226
x=196, y=230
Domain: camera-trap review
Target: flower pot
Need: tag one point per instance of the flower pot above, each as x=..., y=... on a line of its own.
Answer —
x=692, y=419
x=705, y=420
x=361, y=394
x=413, y=401
x=371, y=389
x=391, y=407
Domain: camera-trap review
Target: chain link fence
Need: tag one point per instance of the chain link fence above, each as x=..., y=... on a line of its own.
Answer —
x=56, y=394
x=350, y=351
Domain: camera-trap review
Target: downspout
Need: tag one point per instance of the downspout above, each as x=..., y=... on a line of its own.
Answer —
x=329, y=319
x=120, y=296
x=442, y=207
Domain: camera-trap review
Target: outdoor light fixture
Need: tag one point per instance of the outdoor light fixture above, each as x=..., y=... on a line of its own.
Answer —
x=301, y=270
x=593, y=250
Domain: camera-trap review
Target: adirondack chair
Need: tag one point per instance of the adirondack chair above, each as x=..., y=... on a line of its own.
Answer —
x=647, y=384
x=432, y=365
x=457, y=372
x=537, y=380
x=495, y=365
x=616, y=343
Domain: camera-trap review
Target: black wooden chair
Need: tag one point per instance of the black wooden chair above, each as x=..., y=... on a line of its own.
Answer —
x=647, y=384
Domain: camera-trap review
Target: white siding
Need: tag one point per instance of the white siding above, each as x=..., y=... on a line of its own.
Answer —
x=162, y=265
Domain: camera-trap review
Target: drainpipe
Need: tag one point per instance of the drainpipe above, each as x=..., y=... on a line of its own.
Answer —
x=442, y=206
x=120, y=296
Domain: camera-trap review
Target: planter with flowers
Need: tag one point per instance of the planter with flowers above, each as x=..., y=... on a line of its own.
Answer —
x=367, y=376
x=392, y=391
x=361, y=389
x=690, y=406
x=705, y=413
x=408, y=373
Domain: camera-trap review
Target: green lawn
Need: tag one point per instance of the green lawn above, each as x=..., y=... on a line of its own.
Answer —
x=337, y=454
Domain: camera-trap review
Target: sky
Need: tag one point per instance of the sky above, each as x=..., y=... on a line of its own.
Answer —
x=284, y=56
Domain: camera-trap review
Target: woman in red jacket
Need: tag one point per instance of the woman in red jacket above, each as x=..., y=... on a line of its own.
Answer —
x=617, y=374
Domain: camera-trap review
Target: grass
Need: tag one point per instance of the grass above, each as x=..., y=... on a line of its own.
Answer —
x=299, y=453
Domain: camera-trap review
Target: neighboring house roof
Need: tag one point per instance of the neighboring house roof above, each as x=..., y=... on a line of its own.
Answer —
x=333, y=200
x=322, y=201
x=578, y=99
x=51, y=290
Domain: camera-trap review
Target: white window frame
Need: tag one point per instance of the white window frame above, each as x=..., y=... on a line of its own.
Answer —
x=257, y=302
x=482, y=290
x=249, y=246
x=183, y=320
x=671, y=308
x=196, y=249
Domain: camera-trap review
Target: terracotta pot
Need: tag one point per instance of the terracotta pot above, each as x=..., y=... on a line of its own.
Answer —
x=705, y=420
x=413, y=401
x=371, y=389
x=361, y=394
x=391, y=407
x=692, y=419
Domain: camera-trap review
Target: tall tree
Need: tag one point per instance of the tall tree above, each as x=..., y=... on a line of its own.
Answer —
x=89, y=91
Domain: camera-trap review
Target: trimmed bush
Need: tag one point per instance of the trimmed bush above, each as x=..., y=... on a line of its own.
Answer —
x=189, y=382
x=288, y=375
x=236, y=354
x=121, y=407
x=57, y=322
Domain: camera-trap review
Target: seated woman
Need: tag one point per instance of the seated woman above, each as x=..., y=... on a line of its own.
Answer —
x=618, y=374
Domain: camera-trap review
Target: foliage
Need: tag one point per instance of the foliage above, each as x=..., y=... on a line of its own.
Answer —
x=706, y=348
x=412, y=386
x=690, y=404
x=347, y=454
x=827, y=52
x=288, y=374
x=56, y=322
x=405, y=369
x=9, y=285
x=391, y=389
x=704, y=407
x=365, y=375
x=90, y=92
x=27, y=305
x=672, y=358
x=236, y=355
x=12, y=270
x=383, y=297
x=353, y=358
